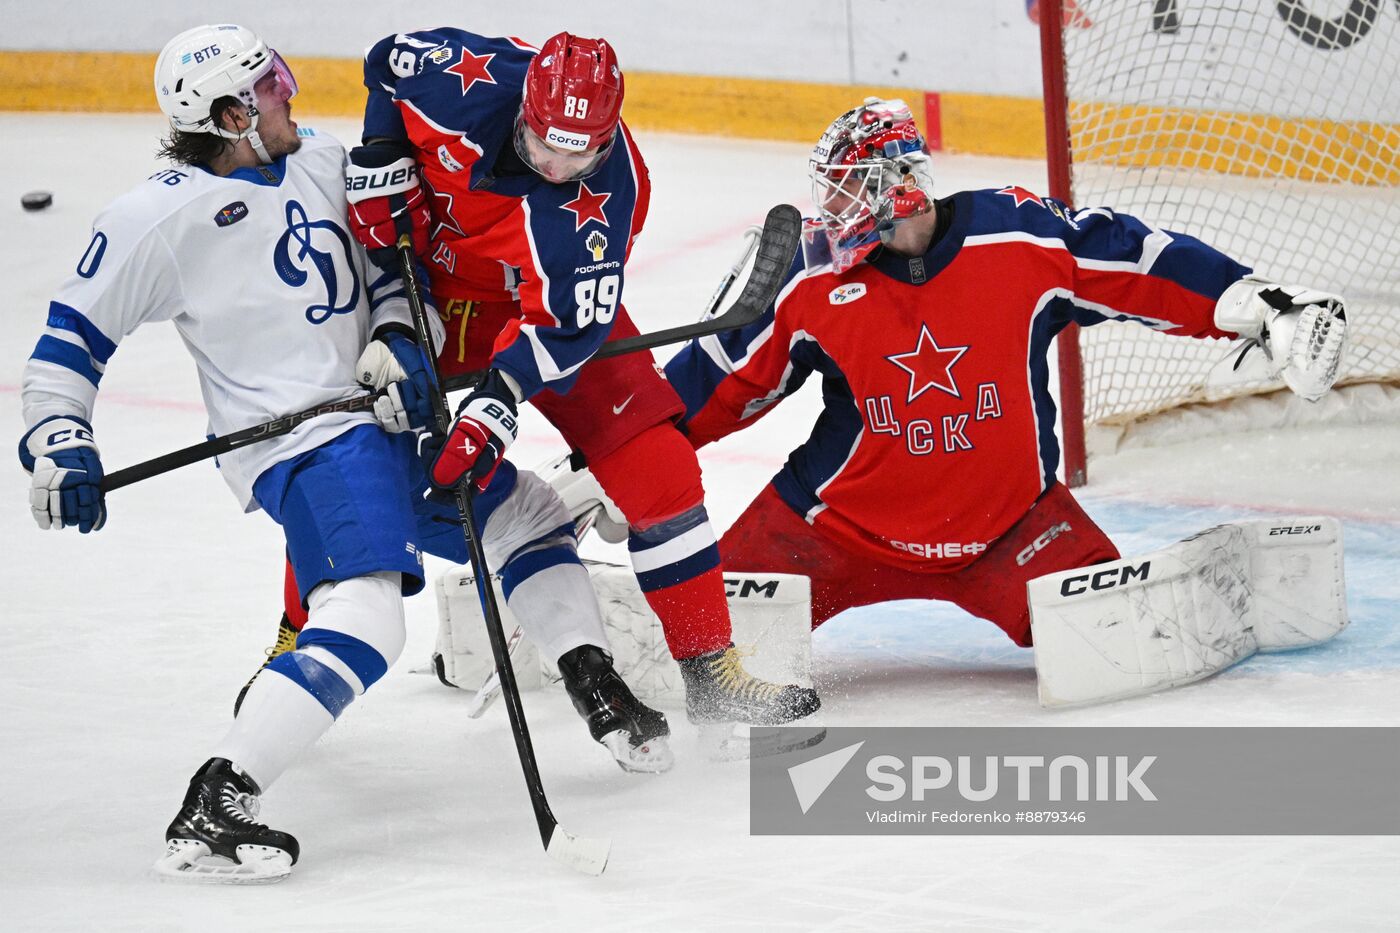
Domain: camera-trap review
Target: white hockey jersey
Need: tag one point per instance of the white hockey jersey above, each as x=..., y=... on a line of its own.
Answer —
x=258, y=272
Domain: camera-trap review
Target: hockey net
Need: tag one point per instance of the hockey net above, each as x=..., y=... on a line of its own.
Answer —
x=1270, y=130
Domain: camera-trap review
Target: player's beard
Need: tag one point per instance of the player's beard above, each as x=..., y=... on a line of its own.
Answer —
x=285, y=140
x=286, y=147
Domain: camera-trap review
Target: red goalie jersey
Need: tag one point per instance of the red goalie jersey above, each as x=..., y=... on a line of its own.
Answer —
x=938, y=428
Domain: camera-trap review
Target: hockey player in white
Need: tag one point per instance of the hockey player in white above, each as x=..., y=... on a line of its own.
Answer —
x=243, y=247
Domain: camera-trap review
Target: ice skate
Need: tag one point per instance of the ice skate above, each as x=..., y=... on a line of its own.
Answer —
x=214, y=838
x=286, y=641
x=633, y=732
x=723, y=700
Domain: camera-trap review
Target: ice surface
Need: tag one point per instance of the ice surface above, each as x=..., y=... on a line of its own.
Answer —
x=123, y=652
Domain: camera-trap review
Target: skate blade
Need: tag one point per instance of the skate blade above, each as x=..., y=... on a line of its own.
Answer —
x=652, y=757
x=734, y=741
x=191, y=862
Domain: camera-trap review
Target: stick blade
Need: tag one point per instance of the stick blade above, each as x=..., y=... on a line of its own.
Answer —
x=580, y=853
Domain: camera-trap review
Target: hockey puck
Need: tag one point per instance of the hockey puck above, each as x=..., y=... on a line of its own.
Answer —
x=36, y=200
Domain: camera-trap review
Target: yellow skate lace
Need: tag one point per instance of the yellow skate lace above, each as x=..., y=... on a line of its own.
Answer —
x=286, y=640
x=728, y=672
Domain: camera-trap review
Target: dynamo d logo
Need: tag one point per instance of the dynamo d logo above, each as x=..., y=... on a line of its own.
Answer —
x=322, y=246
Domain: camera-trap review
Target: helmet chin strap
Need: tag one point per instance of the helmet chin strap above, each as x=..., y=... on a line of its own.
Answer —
x=258, y=147
x=250, y=134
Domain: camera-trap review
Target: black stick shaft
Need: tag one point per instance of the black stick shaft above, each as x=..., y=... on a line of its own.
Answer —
x=776, y=247
x=510, y=691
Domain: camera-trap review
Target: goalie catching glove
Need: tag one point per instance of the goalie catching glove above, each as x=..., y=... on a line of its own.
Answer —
x=1302, y=331
x=476, y=442
x=393, y=361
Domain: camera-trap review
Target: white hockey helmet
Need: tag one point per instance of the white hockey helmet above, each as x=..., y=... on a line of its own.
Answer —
x=205, y=63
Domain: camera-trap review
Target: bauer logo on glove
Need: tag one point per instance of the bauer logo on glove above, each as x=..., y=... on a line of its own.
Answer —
x=486, y=425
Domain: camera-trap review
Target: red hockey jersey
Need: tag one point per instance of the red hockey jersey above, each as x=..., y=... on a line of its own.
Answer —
x=502, y=232
x=938, y=427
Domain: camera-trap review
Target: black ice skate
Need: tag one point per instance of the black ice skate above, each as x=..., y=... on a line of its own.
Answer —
x=286, y=641
x=634, y=732
x=722, y=699
x=214, y=837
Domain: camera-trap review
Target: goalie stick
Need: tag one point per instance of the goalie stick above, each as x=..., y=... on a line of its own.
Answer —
x=578, y=852
x=777, y=244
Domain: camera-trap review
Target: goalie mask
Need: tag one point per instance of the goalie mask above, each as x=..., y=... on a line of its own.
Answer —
x=205, y=63
x=870, y=170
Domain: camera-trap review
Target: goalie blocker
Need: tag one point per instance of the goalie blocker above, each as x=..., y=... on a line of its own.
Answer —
x=1136, y=626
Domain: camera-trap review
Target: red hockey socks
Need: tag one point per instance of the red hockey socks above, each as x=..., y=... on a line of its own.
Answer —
x=655, y=480
x=291, y=599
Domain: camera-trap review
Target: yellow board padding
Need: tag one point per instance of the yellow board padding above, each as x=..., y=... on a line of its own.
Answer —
x=106, y=81
x=983, y=124
x=1253, y=145
x=747, y=108
x=123, y=82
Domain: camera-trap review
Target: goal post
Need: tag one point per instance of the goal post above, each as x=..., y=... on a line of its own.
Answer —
x=1267, y=128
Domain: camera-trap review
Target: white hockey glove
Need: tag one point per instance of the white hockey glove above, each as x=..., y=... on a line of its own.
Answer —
x=1302, y=331
x=65, y=489
x=395, y=363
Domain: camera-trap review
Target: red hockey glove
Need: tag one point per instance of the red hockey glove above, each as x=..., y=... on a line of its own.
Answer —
x=386, y=200
x=477, y=440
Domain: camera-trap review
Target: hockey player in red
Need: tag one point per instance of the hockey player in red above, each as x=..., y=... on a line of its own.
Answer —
x=930, y=473
x=533, y=192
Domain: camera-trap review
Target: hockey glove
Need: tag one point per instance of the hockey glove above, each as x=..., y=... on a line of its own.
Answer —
x=394, y=362
x=66, y=470
x=386, y=200
x=477, y=440
x=1302, y=331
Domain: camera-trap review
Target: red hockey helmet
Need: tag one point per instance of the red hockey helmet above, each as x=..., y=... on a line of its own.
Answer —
x=572, y=104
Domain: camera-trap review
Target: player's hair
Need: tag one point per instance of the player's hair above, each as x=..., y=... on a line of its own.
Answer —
x=185, y=148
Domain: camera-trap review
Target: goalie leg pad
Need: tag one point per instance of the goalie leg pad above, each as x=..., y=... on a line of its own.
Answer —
x=772, y=615
x=1143, y=624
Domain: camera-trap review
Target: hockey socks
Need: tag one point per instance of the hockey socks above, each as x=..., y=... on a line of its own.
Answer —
x=355, y=631
x=694, y=613
x=655, y=480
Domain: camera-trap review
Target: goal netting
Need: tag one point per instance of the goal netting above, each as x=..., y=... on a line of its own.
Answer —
x=1271, y=130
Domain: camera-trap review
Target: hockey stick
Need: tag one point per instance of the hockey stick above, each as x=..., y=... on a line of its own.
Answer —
x=490, y=688
x=751, y=236
x=776, y=247
x=586, y=855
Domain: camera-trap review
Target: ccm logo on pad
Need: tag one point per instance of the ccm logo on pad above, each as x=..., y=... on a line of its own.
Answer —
x=746, y=588
x=1105, y=579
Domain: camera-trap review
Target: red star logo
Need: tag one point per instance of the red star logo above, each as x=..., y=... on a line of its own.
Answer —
x=1021, y=195
x=444, y=215
x=587, y=206
x=929, y=366
x=470, y=69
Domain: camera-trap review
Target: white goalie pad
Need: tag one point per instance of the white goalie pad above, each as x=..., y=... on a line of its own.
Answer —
x=771, y=616
x=1168, y=618
x=462, y=654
